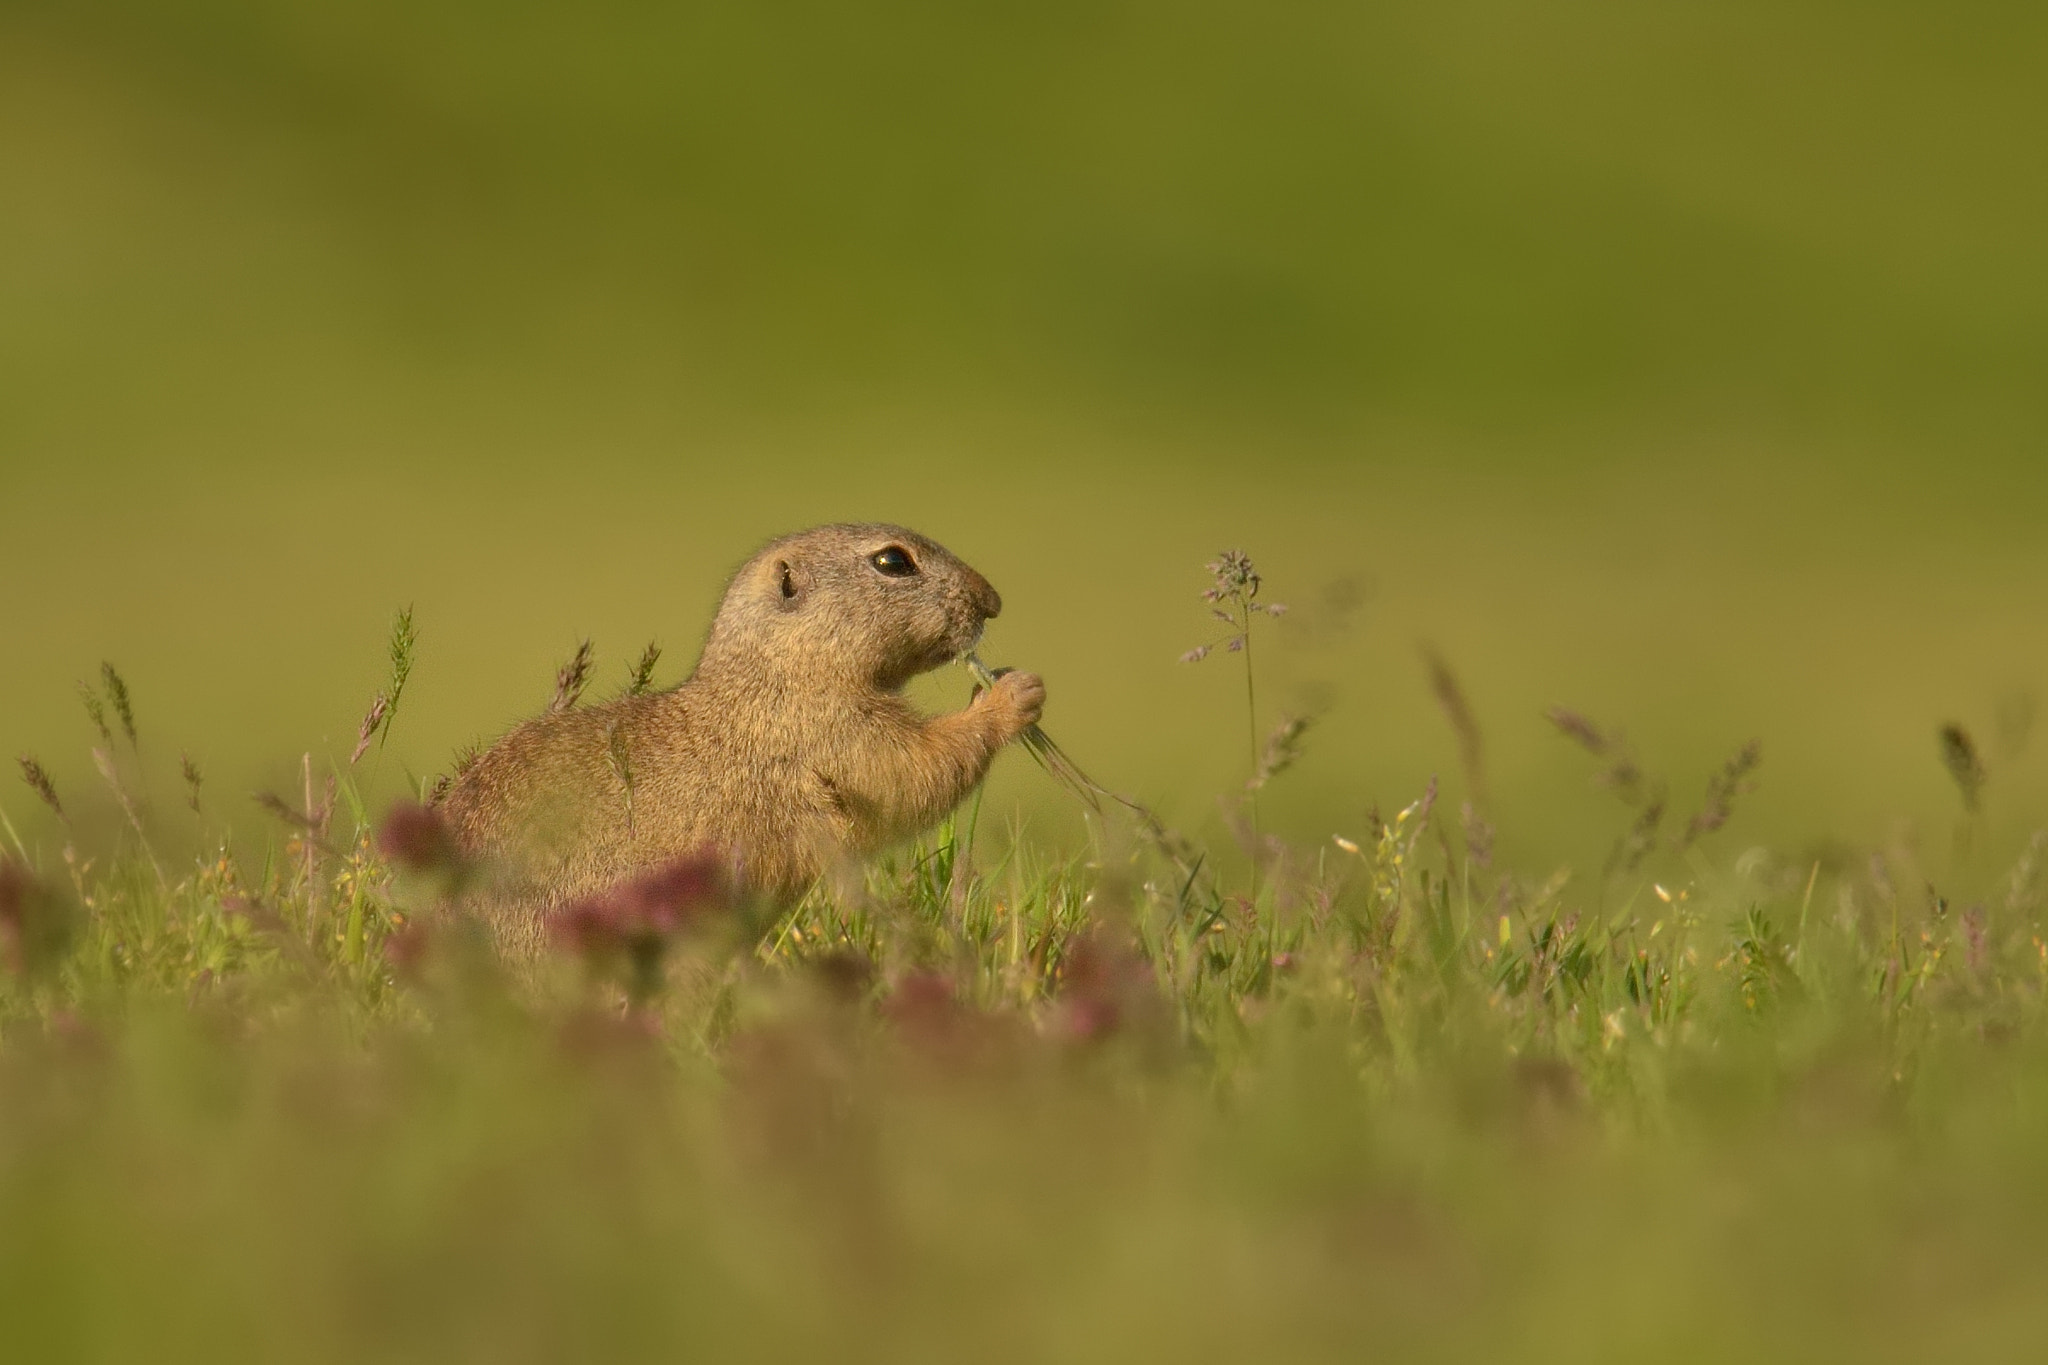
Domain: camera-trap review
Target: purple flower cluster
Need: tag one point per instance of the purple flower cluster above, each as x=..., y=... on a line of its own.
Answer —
x=651, y=908
x=418, y=839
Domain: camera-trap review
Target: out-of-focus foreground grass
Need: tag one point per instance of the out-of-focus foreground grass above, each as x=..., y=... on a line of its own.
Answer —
x=1393, y=1099
x=1677, y=365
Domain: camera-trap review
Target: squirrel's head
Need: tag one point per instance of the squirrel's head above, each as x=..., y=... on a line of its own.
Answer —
x=871, y=604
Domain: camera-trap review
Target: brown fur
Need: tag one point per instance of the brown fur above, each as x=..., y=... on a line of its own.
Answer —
x=790, y=747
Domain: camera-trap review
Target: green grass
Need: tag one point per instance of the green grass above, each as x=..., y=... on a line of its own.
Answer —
x=997, y=1100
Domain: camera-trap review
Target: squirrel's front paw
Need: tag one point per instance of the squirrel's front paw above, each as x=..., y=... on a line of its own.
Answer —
x=1019, y=698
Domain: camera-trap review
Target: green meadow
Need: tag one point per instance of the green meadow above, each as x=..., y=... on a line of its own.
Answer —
x=1604, y=388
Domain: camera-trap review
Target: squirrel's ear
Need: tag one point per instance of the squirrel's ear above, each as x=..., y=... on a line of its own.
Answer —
x=787, y=584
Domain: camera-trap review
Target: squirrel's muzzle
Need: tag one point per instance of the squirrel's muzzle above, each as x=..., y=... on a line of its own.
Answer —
x=987, y=602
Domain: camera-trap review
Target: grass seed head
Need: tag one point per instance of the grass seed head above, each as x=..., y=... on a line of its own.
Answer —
x=1422, y=809
x=1965, y=768
x=1450, y=698
x=314, y=818
x=641, y=680
x=1622, y=774
x=95, y=711
x=1282, y=751
x=1722, y=788
x=373, y=721
x=571, y=679
x=1578, y=729
x=1235, y=580
x=1641, y=840
x=1232, y=592
x=384, y=706
x=38, y=779
x=117, y=693
x=403, y=643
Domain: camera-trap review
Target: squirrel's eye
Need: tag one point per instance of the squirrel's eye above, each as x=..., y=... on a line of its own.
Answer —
x=893, y=561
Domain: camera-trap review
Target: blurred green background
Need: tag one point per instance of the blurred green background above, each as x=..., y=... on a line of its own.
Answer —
x=1682, y=364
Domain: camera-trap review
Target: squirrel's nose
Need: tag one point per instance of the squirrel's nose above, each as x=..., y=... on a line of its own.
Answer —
x=984, y=596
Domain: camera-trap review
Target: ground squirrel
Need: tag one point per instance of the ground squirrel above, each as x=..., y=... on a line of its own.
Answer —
x=790, y=746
